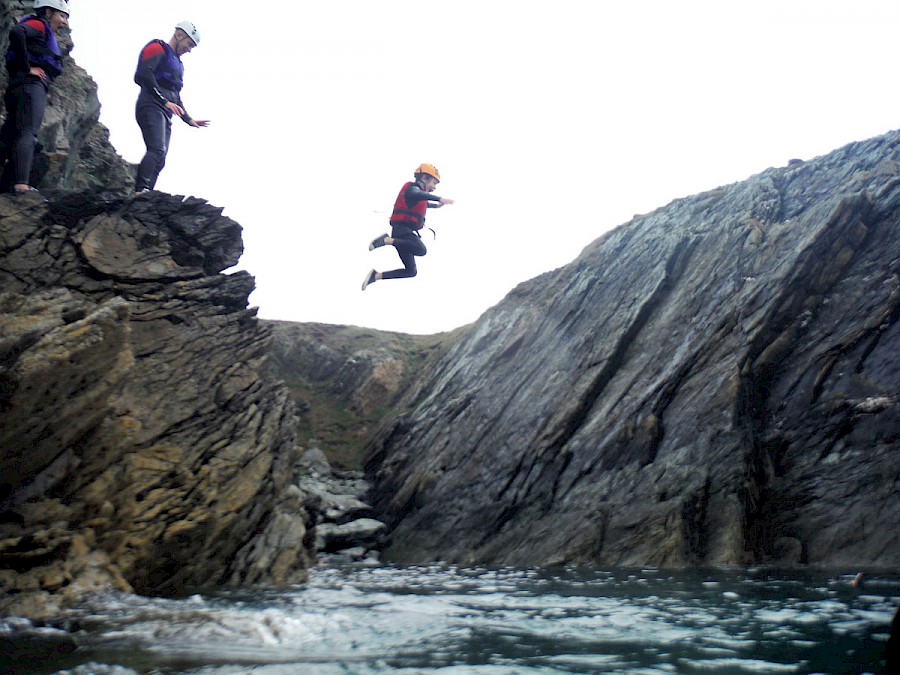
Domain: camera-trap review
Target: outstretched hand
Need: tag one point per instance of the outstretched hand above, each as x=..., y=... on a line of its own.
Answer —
x=445, y=200
x=199, y=123
x=174, y=108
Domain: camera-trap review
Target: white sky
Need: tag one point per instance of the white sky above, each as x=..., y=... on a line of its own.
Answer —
x=551, y=121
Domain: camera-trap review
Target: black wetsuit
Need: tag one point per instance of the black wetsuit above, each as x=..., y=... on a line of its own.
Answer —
x=31, y=43
x=160, y=76
x=407, y=240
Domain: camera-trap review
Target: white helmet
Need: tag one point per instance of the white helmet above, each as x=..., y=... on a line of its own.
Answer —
x=189, y=29
x=58, y=5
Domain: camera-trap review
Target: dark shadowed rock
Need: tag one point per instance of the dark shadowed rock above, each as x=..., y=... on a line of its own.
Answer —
x=712, y=383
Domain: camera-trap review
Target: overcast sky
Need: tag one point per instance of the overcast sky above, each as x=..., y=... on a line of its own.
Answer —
x=551, y=122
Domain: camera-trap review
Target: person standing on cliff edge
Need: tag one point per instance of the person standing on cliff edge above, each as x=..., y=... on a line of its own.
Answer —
x=33, y=60
x=160, y=75
x=407, y=218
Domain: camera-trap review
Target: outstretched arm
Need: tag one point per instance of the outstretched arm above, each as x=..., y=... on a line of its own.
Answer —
x=188, y=119
x=415, y=194
x=439, y=203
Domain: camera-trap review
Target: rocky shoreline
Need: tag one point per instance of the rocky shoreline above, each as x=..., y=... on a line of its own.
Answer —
x=346, y=529
x=713, y=383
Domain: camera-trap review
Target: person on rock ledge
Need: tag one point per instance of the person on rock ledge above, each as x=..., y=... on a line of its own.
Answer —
x=407, y=218
x=33, y=60
x=160, y=75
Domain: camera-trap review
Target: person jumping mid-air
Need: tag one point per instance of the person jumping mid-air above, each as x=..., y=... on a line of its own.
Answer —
x=407, y=218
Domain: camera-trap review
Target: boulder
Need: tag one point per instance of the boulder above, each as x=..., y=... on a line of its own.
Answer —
x=364, y=533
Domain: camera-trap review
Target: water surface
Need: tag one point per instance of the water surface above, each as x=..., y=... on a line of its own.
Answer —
x=452, y=620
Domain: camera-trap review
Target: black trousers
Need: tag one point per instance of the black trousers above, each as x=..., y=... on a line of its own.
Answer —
x=409, y=245
x=25, y=103
x=156, y=128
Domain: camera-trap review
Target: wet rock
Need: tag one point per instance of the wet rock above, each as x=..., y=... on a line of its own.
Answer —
x=345, y=527
x=787, y=551
x=363, y=532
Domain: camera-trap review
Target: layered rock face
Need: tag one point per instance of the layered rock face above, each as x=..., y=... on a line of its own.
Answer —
x=712, y=383
x=143, y=443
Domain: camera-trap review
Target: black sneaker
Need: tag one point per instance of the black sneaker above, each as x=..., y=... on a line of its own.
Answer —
x=377, y=242
x=370, y=278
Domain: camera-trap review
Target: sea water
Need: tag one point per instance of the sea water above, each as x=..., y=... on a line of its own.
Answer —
x=359, y=619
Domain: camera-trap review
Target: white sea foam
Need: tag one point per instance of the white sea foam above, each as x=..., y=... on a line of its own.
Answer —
x=787, y=615
x=744, y=665
x=441, y=619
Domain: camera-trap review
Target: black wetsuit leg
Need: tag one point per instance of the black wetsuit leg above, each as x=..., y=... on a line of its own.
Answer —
x=156, y=128
x=25, y=104
x=408, y=245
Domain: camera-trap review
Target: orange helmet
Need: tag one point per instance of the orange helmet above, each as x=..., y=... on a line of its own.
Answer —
x=428, y=170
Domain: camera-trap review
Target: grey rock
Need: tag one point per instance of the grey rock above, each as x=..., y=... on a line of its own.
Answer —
x=334, y=506
x=712, y=383
x=351, y=483
x=315, y=461
x=364, y=532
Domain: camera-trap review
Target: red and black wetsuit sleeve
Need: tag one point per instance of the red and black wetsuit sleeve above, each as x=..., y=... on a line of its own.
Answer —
x=33, y=31
x=150, y=59
x=415, y=194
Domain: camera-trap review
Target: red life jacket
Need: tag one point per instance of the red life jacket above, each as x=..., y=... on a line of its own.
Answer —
x=413, y=216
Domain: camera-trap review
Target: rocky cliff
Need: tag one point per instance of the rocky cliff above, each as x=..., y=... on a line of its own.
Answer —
x=713, y=383
x=144, y=445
